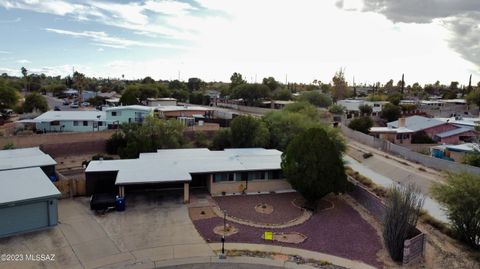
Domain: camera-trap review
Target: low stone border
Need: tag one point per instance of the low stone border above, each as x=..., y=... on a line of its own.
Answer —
x=304, y=217
x=281, y=257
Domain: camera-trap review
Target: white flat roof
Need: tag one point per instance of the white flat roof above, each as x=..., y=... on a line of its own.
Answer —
x=81, y=115
x=23, y=158
x=181, y=108
x=177, y=165
x=25, y=184
x=133, y=107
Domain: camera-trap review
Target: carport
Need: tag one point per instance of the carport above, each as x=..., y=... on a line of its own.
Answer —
x=147, y=172
x=28, y=201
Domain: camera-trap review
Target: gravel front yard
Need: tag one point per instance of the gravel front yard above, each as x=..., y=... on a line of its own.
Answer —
x=339, y=231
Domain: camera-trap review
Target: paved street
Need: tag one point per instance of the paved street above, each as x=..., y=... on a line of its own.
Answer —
x=53, y=102
x=432, y=206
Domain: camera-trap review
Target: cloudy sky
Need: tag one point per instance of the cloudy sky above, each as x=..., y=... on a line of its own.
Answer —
x=298, y=40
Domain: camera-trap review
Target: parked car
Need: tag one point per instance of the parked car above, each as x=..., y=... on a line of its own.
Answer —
x=66, y=102
x=85, y=104
x=56, y=108
x=74, y=105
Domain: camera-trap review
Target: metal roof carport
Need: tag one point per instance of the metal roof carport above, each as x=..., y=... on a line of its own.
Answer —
x=28, y=201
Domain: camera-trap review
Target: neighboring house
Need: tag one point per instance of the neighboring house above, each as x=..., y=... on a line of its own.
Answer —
x=447, y=108
x=161, y=102
x=69, y=121
x=12, y=159
x=276, y=104
x=454, y=152
x=70, y=92
x=127, y=114
x=249, y=170
x=28, y=201
x=402, y=130
x=184, y=111
x=352, y=107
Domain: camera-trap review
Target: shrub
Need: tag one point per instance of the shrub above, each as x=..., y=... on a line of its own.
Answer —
x=461, y=197
x=421, y=138
x=361, y=124
x=403, y=209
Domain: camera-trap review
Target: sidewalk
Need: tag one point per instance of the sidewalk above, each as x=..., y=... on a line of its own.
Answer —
x=197, y=254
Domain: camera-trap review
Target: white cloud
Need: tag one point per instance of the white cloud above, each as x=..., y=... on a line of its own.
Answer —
x=105, y=40
x=23, y=61
x=4, y=52
x=100, y=49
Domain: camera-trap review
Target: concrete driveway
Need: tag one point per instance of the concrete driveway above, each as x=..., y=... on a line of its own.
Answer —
x=155, y=227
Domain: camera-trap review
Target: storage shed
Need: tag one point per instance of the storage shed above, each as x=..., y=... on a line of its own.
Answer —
x=28, y=201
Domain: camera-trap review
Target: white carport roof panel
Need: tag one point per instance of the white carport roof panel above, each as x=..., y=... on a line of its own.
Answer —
x=23, y=158
x=152, y=171
x=25, y=184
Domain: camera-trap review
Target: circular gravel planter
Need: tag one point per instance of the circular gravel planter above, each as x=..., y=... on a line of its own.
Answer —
x=230, y=230
x=264, y=208
x=289, y=237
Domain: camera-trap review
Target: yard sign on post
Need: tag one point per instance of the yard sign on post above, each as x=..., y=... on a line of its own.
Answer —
x=268, y=236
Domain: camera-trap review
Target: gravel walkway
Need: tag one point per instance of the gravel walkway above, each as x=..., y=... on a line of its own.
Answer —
x=340, y=231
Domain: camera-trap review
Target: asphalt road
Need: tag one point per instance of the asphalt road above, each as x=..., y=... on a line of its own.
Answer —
x=53, y=102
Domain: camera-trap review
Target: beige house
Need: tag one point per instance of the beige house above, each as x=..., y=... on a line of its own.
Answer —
x=231, y=171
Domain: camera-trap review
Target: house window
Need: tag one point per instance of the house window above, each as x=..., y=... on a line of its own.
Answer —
x=55, y=123
x=75, y=123
x=116, y=113
x=221, y=177
x=85, y=123
x=100, y=123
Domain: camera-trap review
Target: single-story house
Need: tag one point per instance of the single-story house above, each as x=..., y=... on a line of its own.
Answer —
x=184, y=111
x=454, y=152
x=28, y=201
x=352, y=106
x=127, y=114
x=250, y=170
x=69, y=121
x=161, y=102
x=276, y=104
x=12, y=159
x=402, y=130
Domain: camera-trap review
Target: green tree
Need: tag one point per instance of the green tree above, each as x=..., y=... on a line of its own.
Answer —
x=365, y=110
x=35, y=101
x=222, y=139
x=176, y=85
x=361, y=124
x=195, y=84
x=153, y=134
x=336, y=109
x=148, y=80
x=472, y=159
x=130, y=96
x=250, y=93
x=80, y=82
x=316, y=98
x=460, y=196
x=403, y=206
x=271, y=83
x=25, y=77
x=282, y=94
x=236, y=79
x=390, y=112
x=474, y=97
x=147, y=91
x=8, y=96
x=313, y=166
x=340, y=88
x=395, y=98
x=248, y=132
